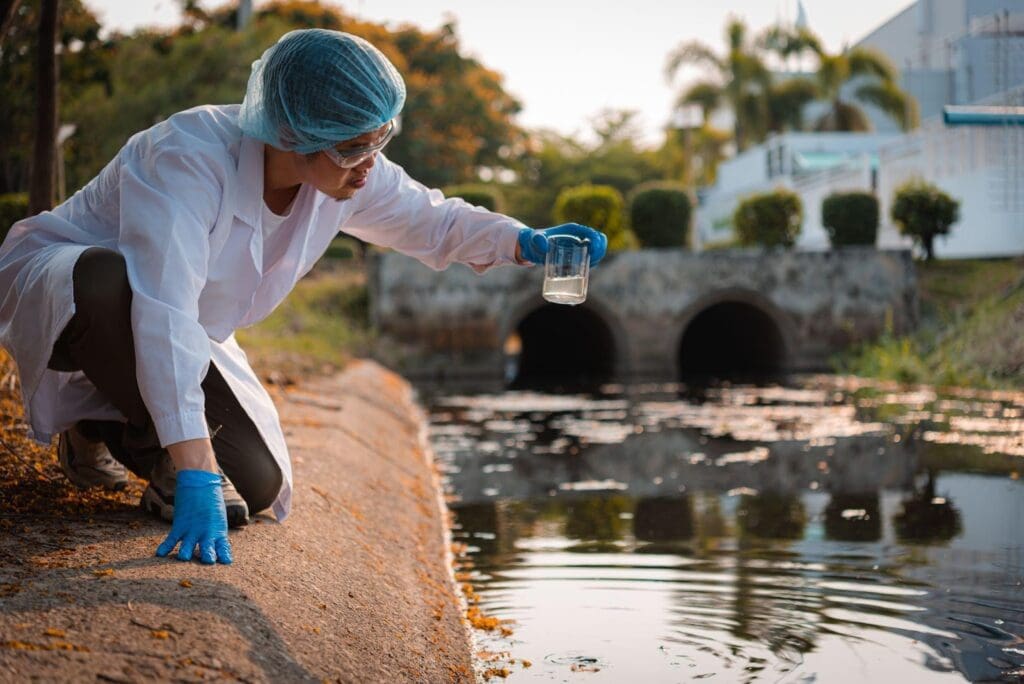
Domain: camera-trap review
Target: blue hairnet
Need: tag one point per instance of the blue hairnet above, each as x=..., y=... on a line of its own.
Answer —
x=315, y=88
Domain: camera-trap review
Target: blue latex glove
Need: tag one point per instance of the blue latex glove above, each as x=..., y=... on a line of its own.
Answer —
x=199, y=518
x=533, y=244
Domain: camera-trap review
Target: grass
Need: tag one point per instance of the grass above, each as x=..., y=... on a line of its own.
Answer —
x=971, y=331
x=319, y=328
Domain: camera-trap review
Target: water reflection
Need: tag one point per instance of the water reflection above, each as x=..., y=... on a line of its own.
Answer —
x=749, y=534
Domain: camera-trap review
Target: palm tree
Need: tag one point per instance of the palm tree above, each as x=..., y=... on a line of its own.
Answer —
x=871, y=69
x=760, y=103
x=741, y=81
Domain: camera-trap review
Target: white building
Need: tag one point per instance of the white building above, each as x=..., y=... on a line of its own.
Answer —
x=949, y=52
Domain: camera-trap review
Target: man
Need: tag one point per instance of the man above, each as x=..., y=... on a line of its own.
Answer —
x=122, y=302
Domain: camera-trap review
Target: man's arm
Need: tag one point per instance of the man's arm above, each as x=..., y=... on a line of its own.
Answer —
x=396, y=211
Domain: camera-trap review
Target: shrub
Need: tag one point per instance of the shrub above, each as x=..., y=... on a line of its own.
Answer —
x=850, y=218
x=660, y=215
x=597, y=206
x=770, y=219
x=13, y=208
x=922, y=211
x=486, y=196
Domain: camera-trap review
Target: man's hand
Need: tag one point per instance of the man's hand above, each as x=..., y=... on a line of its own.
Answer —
x=199, y=518
x=199, y=514
x=532, y=246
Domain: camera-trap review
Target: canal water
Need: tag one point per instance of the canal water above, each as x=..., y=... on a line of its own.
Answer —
x=830, y=530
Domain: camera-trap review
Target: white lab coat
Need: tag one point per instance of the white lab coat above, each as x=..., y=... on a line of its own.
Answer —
x=182, y=202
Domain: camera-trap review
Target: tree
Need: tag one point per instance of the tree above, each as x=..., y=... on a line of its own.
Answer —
x=8, y=9
x=769, y=219
x=740, y=80
x=41, y=189
x=659, y=214
x=457, y=117
x=873, y=71
x=552, y=162
x=850, y=218
x=598, y=206
x=83, y=59
x=922, y=211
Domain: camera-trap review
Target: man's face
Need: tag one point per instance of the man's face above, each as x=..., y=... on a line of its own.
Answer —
x=328, y=177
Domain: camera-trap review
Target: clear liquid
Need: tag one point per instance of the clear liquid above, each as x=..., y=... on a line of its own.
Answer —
x=570, y=290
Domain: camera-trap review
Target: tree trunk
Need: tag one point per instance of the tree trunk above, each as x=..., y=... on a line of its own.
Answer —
x=928, y=242
x=8, y=8
x=41, y=182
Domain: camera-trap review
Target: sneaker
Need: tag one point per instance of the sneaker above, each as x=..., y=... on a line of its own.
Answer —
x=88, y=463
x=158, y=499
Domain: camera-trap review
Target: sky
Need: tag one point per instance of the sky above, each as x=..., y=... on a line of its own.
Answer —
x=567, y=60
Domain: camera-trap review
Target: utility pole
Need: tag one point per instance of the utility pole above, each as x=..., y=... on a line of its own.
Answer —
x=243, y=15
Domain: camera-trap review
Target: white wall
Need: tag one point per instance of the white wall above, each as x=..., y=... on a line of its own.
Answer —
x=981, y=167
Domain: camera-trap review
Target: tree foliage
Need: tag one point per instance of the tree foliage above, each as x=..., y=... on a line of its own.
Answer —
x=659, y=215
x=479, y=194
x=850, y=218
x=457, y=119
x=875, y=76
x=769, y=219
x=83, y=65
x=551, y=162
x=597, y=206
x=923, y=211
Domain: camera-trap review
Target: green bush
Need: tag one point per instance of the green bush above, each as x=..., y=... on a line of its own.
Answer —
x=850, y=218
x=597, y=206
x=486, y=196
x=660, y=215
x=13, y=208
x=922, y=211
x=770, y=219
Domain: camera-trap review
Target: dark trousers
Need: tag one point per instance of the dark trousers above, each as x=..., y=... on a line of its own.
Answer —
x=99, y=342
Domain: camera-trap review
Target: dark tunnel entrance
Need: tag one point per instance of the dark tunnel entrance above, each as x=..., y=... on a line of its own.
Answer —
x=731, y=341
x=560, y=348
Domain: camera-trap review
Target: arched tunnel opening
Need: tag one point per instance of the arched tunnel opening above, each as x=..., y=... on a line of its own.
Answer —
x=560, y=348
x=731, y=341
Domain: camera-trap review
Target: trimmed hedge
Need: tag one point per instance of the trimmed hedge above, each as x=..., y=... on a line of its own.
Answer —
x=850, y=218
x=486, y=196
x=597, y=206
x=922, y=211
x=659, y=214
x=770, y=219
x=13, y=208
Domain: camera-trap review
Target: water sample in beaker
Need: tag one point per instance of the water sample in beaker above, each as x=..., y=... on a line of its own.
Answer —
x=566, y=270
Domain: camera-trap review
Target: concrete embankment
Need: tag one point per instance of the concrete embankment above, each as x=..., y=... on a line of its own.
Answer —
x=354, y=587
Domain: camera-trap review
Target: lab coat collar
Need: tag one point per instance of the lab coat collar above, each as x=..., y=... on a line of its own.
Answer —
x=250, y=180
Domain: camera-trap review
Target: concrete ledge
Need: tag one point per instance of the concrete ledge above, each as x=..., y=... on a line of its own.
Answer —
x=355, y=587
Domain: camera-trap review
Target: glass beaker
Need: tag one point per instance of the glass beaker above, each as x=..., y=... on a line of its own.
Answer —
x=566, y=269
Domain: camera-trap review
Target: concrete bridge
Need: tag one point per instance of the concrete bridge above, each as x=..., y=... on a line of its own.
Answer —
x=656, y=314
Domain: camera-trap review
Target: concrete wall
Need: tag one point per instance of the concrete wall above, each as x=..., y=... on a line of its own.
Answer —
x=456, y=322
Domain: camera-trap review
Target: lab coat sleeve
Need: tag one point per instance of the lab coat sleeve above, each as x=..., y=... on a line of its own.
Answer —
x=170, y=198
x=398, y=212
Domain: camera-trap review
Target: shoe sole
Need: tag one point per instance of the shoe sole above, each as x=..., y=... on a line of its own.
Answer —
x=75, y=478
x=237, y=515
x=154, y=505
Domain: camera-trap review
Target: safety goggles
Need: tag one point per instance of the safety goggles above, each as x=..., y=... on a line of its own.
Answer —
x=349, y=159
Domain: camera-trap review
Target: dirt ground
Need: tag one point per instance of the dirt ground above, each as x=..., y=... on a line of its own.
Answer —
x=355, y=587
